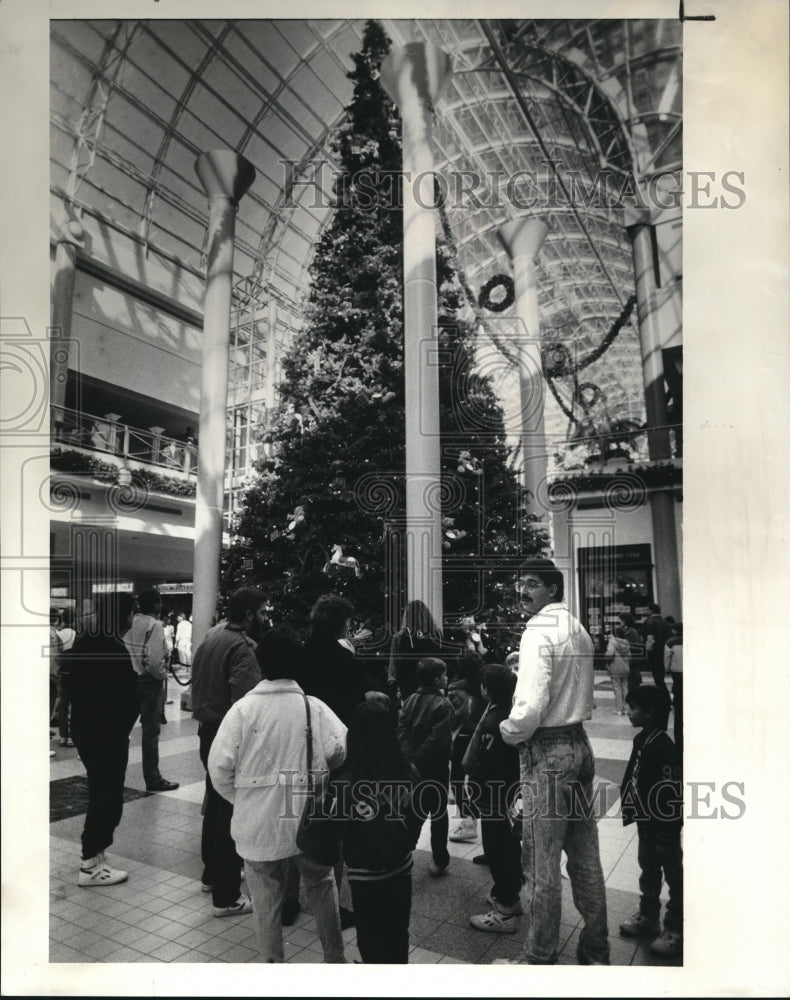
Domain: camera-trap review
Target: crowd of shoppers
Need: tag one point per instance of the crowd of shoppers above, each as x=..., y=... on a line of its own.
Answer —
x=505, y=739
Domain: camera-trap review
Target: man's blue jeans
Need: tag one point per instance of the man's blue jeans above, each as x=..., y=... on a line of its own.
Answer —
x=557, y=768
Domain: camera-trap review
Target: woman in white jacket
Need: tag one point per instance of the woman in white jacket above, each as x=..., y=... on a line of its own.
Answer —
x=258, y=761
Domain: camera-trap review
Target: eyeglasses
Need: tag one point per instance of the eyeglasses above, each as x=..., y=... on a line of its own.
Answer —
x=528, y=585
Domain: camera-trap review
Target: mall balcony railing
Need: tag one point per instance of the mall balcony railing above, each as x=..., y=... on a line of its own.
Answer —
x=108, y=436
x=618, y=448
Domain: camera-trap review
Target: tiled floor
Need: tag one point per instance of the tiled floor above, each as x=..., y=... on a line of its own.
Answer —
x=160, y=914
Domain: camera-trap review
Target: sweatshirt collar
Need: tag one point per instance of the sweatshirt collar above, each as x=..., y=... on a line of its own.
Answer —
x=272, y=687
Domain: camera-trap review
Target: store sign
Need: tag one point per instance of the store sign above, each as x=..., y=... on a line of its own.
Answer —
x=175, y=588
x=614, y=580
x=113, y=588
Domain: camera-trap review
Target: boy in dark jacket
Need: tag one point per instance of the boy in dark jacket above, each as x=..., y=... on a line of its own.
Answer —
x=651, y=796
x=493, y=769
x=424, y=736
x=381, y=829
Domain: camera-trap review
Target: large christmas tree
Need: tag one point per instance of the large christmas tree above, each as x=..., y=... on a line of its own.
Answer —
x=322, y=514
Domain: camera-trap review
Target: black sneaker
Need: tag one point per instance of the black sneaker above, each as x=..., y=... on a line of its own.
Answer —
x=162, y=785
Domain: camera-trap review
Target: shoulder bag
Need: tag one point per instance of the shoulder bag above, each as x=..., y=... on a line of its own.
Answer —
x=320, y=833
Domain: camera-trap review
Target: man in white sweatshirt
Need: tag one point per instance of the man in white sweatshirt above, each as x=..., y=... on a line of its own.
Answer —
x=553, y=697
x=145, y=641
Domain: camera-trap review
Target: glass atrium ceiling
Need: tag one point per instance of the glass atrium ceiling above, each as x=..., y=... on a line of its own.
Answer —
x=134, y=103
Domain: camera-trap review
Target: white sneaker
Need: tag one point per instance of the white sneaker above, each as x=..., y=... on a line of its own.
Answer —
x=516, y=910
x=242, y=905
x=465, y=831
x=494, y=922
x=101, y=874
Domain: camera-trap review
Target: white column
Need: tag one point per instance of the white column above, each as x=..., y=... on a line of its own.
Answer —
x=638, y=225
x=70, y=238
x=413, y=75
x=225, y=177
x=522, y=239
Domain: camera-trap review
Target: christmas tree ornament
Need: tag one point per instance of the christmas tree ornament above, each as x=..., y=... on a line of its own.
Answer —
x=466, y=463
x=338, y=561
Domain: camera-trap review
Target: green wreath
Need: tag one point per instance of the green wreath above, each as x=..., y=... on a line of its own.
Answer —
x=587, y=394
x=498, y=281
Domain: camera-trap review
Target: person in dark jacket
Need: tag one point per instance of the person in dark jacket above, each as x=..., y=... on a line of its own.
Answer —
x=493, y=769
x=636, y=650
x=102, y=687
x=656, y=632
x=379, y=834
x=224, y=669
x=651, y=797
x=425, y=735
x=333, y=673
x=417, y=638
x=463, y=693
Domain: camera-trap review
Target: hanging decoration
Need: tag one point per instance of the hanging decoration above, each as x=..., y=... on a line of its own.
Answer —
x=499, y=304
x=557, y=361
x=340, y=563
x=295, y=520
x=468, y=464
x=451, y=534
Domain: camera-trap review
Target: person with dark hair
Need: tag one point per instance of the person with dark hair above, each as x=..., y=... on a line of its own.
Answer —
x=656, y=633
x=616, y=657
x=224, y=669
x=145, y=641
x=334, y=674
x=417, y=638
x=651, y=796
x=636, y=650
x=380, y=831
x=67, y=634
x=673, y=663
x=493, y=770
x=424, y=736
x=101, y=684
x=55, y=650
x=553, y=697
x=463, y=693
x=258, y=763
x=184, y=639
x=331, y=671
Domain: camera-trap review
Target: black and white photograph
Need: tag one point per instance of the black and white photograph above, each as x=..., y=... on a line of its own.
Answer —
x=356, y=505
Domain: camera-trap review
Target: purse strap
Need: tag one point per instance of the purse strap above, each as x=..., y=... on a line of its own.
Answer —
x=310, y=779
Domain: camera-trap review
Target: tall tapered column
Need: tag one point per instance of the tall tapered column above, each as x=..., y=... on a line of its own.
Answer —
x=70, y=239
x=522, y=239
x=662, y=502
x=640, y=232
x=225, y=177
x=413, y=75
